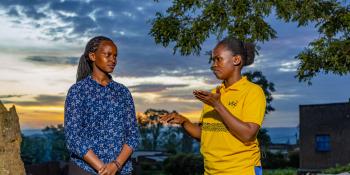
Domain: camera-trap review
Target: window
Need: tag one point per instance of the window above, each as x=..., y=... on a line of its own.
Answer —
x=323, y=143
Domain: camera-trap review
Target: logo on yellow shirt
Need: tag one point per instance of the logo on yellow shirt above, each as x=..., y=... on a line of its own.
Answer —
x=233, y=103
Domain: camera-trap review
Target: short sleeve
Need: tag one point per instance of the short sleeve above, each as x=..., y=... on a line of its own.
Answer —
x=254, y=106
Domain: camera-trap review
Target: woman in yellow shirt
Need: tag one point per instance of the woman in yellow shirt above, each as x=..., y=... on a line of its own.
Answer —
x=232, y=114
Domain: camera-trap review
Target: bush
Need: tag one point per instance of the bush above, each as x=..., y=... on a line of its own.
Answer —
x=280, y=172
x=274, y=161
x=338, y=169
x=184, y=164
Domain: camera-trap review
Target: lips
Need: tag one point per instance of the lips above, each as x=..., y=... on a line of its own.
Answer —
x=111, y=65
x=216, y=70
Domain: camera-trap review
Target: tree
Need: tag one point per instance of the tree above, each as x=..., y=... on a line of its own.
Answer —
x=56, y=143
x=264, y=139
x=33, y=149
x=155, y=135
x=150, y=127
x=188, y=23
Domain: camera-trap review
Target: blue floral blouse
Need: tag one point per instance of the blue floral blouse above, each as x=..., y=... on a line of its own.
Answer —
x=100, y=118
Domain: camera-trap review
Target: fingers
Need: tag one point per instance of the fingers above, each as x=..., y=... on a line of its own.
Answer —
x=106, y=170
x=175, y=121
x=172, y=118
x=166, y=118
x=201, y=92
x=102, y=169
x=200, y=96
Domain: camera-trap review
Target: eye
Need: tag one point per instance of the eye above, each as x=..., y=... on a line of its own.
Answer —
x=217, y=59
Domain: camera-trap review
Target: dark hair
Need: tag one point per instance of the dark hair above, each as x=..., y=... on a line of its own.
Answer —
x=85, y=64
x=245, y=49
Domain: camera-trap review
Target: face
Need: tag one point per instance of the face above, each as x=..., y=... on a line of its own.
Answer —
x=224, y=64
x=105, y=57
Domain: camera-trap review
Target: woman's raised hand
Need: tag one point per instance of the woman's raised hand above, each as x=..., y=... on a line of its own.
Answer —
x=211, y=99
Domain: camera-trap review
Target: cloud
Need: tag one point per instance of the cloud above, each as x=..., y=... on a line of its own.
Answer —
x=70, y=20
x=155, y=87
x=53, y=60
x=40, y=100
x=11, y=96
x=290, y=66
x=277, y=96
x=125, y=21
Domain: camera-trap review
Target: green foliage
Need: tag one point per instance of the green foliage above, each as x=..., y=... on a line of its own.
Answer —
x=150, y=128
x=188, y=23
x=273, y=161
x=278, y=160
x=42, y=148
x=288, y=171
x=156, y=136
x=33, y=150
x=324, y=55
x=184, y=164
x=338, y=169
x=264, y=139
x=56, y=142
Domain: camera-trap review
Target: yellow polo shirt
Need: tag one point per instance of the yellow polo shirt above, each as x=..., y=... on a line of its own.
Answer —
x=223, y=153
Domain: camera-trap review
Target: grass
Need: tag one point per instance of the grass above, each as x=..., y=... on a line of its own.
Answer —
x=338, y=169
x=288, y=171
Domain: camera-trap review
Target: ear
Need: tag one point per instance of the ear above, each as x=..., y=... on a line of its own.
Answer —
x=92, y=56
x=237, y=60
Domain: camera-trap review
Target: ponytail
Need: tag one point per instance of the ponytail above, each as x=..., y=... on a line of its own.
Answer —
x=250, y=53
x=237, y=47
x=84, y=67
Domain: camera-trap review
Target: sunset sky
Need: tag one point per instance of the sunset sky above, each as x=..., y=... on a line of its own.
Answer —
x=41, y=41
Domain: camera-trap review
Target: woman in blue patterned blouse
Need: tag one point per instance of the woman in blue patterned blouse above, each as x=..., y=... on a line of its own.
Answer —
x=100, y=123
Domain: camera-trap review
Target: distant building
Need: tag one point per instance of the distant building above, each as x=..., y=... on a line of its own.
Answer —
x=324, y=136
x=282, y=148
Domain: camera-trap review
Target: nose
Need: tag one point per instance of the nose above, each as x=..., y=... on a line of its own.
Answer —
x=214, y=64
x=113, y=59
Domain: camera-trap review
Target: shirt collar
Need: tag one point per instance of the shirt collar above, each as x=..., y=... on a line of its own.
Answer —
x=96, y=83
x=235, y=86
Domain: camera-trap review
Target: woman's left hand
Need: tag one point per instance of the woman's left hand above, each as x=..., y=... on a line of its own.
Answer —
x=211, y=99
x=110, y=169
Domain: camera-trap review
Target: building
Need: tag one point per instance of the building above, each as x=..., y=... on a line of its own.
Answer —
x=324, y=136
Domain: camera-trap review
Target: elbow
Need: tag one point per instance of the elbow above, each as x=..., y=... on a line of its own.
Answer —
x=248, y=138
x=245, y=138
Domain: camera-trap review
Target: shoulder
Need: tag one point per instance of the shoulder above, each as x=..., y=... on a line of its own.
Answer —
x=255, y=89
x=78, y=86
x=120, y=87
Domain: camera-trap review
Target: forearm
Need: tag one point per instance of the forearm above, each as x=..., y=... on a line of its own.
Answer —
x=125, y=153
x=192, y=129
x=238, y=128
x=91, y=158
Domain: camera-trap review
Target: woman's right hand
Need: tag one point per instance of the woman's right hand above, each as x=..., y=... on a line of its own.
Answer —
x=173, y=118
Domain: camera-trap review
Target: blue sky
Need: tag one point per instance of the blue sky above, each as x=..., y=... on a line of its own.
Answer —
x=41, y=42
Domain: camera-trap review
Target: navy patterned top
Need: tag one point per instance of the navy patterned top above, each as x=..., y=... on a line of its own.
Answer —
x=100, y=118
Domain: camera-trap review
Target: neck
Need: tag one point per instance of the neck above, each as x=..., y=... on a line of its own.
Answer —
x=232, y=79
x=100, y=77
